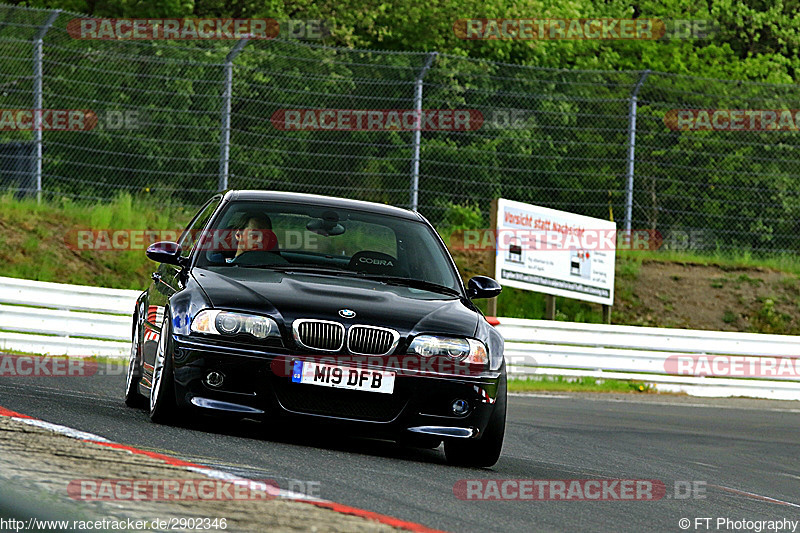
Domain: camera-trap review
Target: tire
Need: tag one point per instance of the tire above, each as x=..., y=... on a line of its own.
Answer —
x=162, y=394
x=133, y=398
x=485, y=451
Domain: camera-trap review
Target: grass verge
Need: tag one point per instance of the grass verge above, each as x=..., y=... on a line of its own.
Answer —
x=577, y=384
x=38, y=240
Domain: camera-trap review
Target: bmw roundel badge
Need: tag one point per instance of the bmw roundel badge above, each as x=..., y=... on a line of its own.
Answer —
x=347, y=313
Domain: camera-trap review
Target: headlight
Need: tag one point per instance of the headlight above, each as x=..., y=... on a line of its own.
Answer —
x=467, y=350
x=227, y=323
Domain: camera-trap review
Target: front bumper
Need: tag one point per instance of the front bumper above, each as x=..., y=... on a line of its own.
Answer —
x=256, y=384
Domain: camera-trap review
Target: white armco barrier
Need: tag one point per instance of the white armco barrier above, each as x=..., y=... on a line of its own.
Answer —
x=59, y=319
x=701, y=363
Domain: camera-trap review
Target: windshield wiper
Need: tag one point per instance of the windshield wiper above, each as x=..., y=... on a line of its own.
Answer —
x=414, y=283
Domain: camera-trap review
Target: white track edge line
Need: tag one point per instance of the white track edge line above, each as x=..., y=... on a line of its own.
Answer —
x=211, y=473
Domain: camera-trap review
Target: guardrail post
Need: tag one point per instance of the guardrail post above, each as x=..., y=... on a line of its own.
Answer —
x=417, y=131
x=38, y=43
x=631, y=149
x=606, y=314
x=225, y=136
x=549, y=307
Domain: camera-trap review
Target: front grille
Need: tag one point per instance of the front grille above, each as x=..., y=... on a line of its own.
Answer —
x=319, y=334
x=356, y=405
x=370, y=340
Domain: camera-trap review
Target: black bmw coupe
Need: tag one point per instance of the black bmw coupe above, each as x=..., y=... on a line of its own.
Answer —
x=276, y=304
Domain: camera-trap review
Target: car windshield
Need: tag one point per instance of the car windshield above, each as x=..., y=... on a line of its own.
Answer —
x=331, y=241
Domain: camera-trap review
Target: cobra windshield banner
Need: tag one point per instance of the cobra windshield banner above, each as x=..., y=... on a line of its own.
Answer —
x=555, y=252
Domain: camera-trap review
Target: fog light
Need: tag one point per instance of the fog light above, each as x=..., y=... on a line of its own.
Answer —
x=460, y=407
x=214, y=379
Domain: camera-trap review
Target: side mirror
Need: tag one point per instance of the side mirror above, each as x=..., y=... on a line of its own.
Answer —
x=165, y=252
x=482, y=287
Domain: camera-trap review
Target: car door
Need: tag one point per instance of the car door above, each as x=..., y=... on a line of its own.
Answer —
x=166, y=281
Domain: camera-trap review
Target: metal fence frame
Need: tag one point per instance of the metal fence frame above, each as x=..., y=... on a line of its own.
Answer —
x=225, y=120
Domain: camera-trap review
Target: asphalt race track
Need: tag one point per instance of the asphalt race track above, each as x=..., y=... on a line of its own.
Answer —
x=742, y=452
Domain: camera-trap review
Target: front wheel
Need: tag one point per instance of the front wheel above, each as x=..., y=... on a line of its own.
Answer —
x=485, y=451
x=132, y=396
x=162, y=392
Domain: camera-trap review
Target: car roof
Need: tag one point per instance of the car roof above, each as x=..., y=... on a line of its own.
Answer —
x=316, y=199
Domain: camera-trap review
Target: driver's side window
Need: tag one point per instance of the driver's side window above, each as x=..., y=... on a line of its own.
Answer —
x=192, y=234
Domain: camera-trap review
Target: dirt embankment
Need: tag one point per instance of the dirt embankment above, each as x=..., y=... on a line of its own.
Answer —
x=709, y=297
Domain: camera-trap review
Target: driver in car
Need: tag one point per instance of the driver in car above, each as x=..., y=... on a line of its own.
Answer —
x=254, y=233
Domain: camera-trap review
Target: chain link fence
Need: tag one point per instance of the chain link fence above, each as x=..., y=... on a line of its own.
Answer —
x=183, y=119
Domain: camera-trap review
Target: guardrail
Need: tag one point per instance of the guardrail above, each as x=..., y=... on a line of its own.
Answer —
x=60, y=319
x=652, y=355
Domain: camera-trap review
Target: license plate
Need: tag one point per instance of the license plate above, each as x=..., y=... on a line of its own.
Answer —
x=343, y=377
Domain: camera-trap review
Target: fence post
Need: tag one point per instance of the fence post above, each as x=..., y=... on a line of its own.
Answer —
x=632, y=149
x=417, y=131
x=38, y=43
x=225, y=136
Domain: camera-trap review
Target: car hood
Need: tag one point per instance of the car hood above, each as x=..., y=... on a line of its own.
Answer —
x=291, y=296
